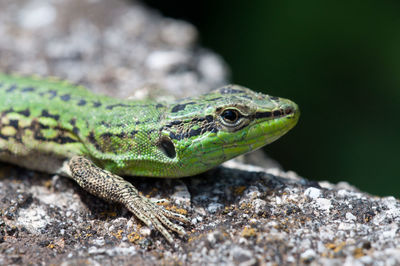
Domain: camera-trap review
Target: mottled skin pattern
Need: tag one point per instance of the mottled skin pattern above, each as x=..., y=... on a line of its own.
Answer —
x=53, y=126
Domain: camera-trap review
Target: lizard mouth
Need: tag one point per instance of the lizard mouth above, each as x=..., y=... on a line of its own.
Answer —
x=265, y=132
x=278, y=113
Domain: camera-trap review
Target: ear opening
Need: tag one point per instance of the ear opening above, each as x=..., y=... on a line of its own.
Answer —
x=166, y=145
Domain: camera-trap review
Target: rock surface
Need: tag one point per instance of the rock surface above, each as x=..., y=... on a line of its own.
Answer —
x=241, y=214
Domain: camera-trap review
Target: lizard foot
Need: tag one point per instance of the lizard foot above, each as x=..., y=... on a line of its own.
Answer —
x=111, y=187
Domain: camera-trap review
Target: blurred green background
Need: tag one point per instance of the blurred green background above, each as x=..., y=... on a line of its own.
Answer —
x=339, y=60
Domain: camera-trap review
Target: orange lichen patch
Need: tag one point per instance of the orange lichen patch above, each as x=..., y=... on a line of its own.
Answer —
x=242, y=206
x=163, y=203
x=58, y=244
x=89, y=227
x=335, y=247
x=108, y=213
x=358, y=253
x=79, y=235
x=118, y=234
x=176, y=210
x=191, y=238
x=248, y=232
x=48, y=184
x=368, y=218
x=227, y=209
x=246, y=207
x=330, y=245
x=134, y=237
x=239, y=190
x=152, y=192
x=195, y=235
x=283, y=226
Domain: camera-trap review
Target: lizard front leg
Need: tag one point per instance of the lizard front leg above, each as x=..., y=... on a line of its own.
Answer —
x=111, y=187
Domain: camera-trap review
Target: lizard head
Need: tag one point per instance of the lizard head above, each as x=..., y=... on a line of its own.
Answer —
x=200, y=133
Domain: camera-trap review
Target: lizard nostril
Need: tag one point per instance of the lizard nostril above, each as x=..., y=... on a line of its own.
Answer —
x=288, y=110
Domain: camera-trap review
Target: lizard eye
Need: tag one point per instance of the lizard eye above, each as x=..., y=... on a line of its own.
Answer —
x=230, y=116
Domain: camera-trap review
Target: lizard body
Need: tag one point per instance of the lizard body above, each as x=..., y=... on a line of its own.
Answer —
x=55, y=127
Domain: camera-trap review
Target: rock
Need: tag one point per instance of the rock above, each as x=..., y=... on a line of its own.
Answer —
x=242, y=214
x=112, y=47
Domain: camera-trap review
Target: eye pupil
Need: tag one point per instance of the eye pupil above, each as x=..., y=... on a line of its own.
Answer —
x=230, y=115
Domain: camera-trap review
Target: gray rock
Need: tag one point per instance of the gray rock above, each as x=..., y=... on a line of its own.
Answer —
x=242, y=214
x=110, y=46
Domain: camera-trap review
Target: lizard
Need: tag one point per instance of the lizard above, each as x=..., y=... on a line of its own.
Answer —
x=53, y=126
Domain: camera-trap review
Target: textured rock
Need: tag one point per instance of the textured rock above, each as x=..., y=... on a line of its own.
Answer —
x=241, y=214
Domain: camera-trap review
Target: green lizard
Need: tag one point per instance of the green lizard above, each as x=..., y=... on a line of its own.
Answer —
x=55, y=127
